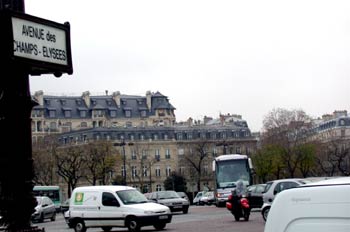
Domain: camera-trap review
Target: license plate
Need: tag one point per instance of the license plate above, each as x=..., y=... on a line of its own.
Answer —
x=163, y=217
x=177, y=206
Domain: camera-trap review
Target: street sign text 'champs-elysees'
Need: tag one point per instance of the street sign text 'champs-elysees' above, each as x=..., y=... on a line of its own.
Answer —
x=37, y=45
x=39, y=42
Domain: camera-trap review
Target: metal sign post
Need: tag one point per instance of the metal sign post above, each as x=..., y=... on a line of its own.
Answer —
x=28, y=46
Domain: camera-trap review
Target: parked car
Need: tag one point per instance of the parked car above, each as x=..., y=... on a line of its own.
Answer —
x=171, y=199
x=197, y=198
x=255, y=195
x=184, y=196
x=274, y=187
x=45, y=209
x=207, y=198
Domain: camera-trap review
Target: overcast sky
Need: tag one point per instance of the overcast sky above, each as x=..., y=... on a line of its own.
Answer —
x=208, y=57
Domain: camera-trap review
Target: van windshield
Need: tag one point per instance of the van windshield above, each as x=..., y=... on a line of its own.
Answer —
x=131, y=196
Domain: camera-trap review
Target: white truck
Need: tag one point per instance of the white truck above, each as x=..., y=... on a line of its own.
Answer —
x=114, y=206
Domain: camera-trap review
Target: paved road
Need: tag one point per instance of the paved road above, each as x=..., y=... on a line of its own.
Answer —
x=199, y=218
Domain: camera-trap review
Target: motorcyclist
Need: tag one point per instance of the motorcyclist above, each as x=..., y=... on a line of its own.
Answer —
x=240, y=188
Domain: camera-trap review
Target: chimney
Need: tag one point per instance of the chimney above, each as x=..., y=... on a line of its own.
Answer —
x=190, y=122
x=39, y=97
x=116, y=98
x=149, y=100
x=86, y=98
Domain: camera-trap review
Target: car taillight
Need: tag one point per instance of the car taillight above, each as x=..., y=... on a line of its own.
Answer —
x=228, y=205
x=230, y=197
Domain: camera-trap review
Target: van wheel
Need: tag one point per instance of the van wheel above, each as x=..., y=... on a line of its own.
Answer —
x=133, y=224
x=79, y=226
x=107, y=228
x=159, y=226
x=265, y=213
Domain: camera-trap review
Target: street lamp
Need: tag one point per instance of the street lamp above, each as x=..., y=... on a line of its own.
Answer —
x=122, y=144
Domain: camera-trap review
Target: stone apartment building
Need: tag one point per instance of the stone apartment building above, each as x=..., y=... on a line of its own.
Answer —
x=149, y=124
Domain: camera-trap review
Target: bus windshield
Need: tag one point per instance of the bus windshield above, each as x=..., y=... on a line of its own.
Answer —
x=228, y=172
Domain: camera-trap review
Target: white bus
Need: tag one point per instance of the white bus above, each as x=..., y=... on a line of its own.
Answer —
x=228, y=170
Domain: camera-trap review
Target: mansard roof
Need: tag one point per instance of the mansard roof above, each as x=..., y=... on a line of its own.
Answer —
x=133, y=103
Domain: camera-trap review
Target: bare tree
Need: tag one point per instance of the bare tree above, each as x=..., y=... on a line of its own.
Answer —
x=44, y=162
x=196, y=154
x=334, y=158
x=99, y=161
x=71, y=164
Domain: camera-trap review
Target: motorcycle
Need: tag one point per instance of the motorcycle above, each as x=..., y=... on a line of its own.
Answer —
x=239, y=206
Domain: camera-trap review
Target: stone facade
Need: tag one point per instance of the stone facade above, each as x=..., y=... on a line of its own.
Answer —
x=160, y=146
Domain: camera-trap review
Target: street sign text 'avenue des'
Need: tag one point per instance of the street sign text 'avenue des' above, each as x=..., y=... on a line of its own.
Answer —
x=38, y=45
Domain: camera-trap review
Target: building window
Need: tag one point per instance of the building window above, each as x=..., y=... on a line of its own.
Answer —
x=133, y=155
x=52, y=113
x=238, y=150
x=168, y=171
x=157, y=154
x=123, y=171
x=158, y=187
x=67, y=113
x=190, y=136
x=167, y=153
x=179, y=136
x=113, y=113
x=157, y=171
x=144, y=154
x=215, y=151
x=98, y=113
x=182, y=171
x=155, y=137
x=128, y=113
x=143, y=113
x=144, y=171
x=53, y=126
x=83, y=114
x=83, y=124
x=181, y=151
x=133, y=171
x=205, y=170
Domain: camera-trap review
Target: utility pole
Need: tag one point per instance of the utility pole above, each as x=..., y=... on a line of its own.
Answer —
x=122, y=144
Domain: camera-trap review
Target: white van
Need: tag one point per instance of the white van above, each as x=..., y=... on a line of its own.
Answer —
x=316, y=207
x=114, y=206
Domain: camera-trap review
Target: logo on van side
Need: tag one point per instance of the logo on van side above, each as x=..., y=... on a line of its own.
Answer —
x=78, y=200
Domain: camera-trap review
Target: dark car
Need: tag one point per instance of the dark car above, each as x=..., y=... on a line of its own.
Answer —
x=45, y=209
x=184, y=196
x=255, y=195
x=171, y=199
